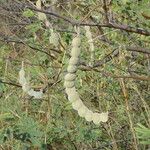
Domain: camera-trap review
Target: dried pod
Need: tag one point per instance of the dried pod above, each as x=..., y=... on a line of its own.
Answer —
x=88, y=115
x=82, y=111
x=54, y=38
x=70, y=77
x=77, y=104
x=72, y=69
x=73, y=60
x=75, y=52
x=73, y=97
x=68, y=84
x=25, y=87
x=41, y=15
x=76, y=42
x=104, y=117
x=96, y=117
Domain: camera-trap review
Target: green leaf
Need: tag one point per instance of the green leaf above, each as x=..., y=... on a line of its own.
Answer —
x=28, y=13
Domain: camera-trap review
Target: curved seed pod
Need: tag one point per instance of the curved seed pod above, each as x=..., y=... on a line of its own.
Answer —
x=75, y=52
x=82, y=111
x=73, y=60
x=54, y=38
x=96, y=117
x=104, y=117
x=70, y=77
x=36, y=94
x=25, y=87
x=90, y=40
x=22, y=79
x=88, y=115
x=70, y=90
x=41, y=15
x=73, y=95
x=72, y=69
x=68, y=84
x=77, y=104
x=76, y=42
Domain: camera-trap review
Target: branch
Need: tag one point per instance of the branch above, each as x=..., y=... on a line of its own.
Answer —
x=126, y=28
x=10, y=83
x=139, y=49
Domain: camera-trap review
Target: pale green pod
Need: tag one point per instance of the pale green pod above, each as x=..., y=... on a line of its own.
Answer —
x=77, y=104
x=68, y=84
x=72, y=94
x=88, y=115
x=82, y=111
x=73, y=61
x=72, y=69
x=73, y=97
x=21, y=72
x=70, y=90
x=54, y=38
x=25, y=87
x=75, y=52
x=70, y=77
x=96, y=117
x=22, y=80
x=30, y=92
x=104, y=117
x=76, y=42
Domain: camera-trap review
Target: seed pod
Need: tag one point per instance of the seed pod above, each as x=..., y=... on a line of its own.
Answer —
x=76, y=42
x=88, y=115
x=68, y=84
x=41, y=15
x=82, y=111
x=96, y=117
x=72, y=69
x=54, y=38
x=70, y=77
x=26, y=87
x=104, y=117
x=77, y=104
x=73, y=61
x=75, y=52
x=74, y=96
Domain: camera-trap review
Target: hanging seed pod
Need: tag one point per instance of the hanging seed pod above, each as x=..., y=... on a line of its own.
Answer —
x=69, y=84
x=104, y=117
x=54, y=38
x=71, y=68
x=75, y=52
x=77, y=104
x=70, y=77
x=88, y=115
x=25, y=85
x=76, y=42
x=90, y=40
x=82, y=111
x=96, y=117
x=73, y=61
x=41, y=16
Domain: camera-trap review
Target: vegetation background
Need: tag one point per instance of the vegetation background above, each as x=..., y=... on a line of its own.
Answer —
x=117, y=82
